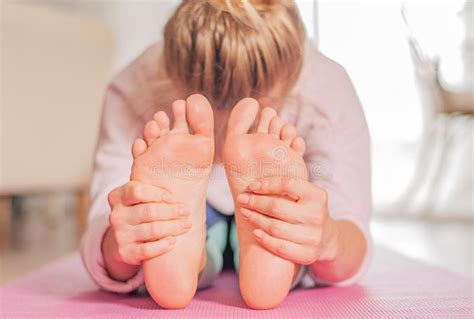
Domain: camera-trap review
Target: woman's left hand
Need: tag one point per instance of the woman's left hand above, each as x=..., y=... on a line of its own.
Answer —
x=291, y=219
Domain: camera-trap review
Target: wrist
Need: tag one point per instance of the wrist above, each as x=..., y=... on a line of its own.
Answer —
x=331, y=242
x=109, y=247
x=349, y=249
x=115, y=267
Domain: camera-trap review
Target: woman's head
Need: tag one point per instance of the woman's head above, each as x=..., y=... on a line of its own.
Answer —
x=230, y=49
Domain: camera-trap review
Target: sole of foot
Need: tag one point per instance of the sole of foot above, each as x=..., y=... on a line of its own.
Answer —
x=274, y=149
x=178, y=160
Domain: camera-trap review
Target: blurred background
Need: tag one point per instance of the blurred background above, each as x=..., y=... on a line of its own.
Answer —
x=411, y=63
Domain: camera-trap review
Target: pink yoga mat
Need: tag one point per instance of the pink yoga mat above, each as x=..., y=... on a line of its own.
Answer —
x=396, y=287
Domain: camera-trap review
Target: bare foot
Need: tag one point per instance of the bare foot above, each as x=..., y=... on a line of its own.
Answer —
x=180, y=162
x=273, y=150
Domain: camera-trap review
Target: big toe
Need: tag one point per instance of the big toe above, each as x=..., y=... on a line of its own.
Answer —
x=199, y=115
x=242, y=116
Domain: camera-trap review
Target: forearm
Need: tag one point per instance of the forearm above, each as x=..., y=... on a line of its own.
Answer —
x=117, y=269
x=351, y=248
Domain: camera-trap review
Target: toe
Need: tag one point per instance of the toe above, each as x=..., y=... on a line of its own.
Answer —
x=163, y=122
x=138, y=147
x=151, y=131
x=298, y=145
x=179, y=112
x=242, y=116
x=265, y=117
x=199, y=115
x=276, y=125
x=288, y=133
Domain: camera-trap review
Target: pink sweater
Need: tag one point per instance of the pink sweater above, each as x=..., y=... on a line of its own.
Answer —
x=323, y=107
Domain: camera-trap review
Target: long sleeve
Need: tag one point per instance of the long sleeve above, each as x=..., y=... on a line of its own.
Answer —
x=132, y=98
x=111, y=169
x=329, y=116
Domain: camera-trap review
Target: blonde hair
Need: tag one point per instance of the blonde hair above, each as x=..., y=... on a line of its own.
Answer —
x=229, y=49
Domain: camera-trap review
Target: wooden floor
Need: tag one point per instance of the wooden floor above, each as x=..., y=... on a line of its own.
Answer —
x=43, y=229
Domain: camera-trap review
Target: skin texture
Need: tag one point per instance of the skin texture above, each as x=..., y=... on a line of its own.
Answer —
x=272, y=150
x=144, y=221
x=282, y=219
x=179, y=162
x=292, y=221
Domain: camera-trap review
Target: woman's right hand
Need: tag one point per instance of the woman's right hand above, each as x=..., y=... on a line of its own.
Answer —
x=144, y=221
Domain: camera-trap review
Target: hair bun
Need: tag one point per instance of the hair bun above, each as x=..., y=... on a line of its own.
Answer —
x=249, y=12
x=229, y=49
x=262, y=3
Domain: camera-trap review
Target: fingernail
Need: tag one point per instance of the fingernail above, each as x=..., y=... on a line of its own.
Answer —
x=258, y=233
x=245, y=212
x=255, y=186
x=185, y=223
x=183, y=211
x=243, y=199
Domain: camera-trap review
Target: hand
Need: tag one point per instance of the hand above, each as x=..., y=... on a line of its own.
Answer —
x=291, y=219
x=144, y=221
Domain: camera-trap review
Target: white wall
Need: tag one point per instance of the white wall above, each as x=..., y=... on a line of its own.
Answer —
x=367, y=37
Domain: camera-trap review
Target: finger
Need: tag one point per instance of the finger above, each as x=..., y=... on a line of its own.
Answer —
x=136, y=192
x=279, y=229
x=276, y=207
x=293, y=187
x=151, y=212
x=160, y=229
x=144, y=251
x=285, y=249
